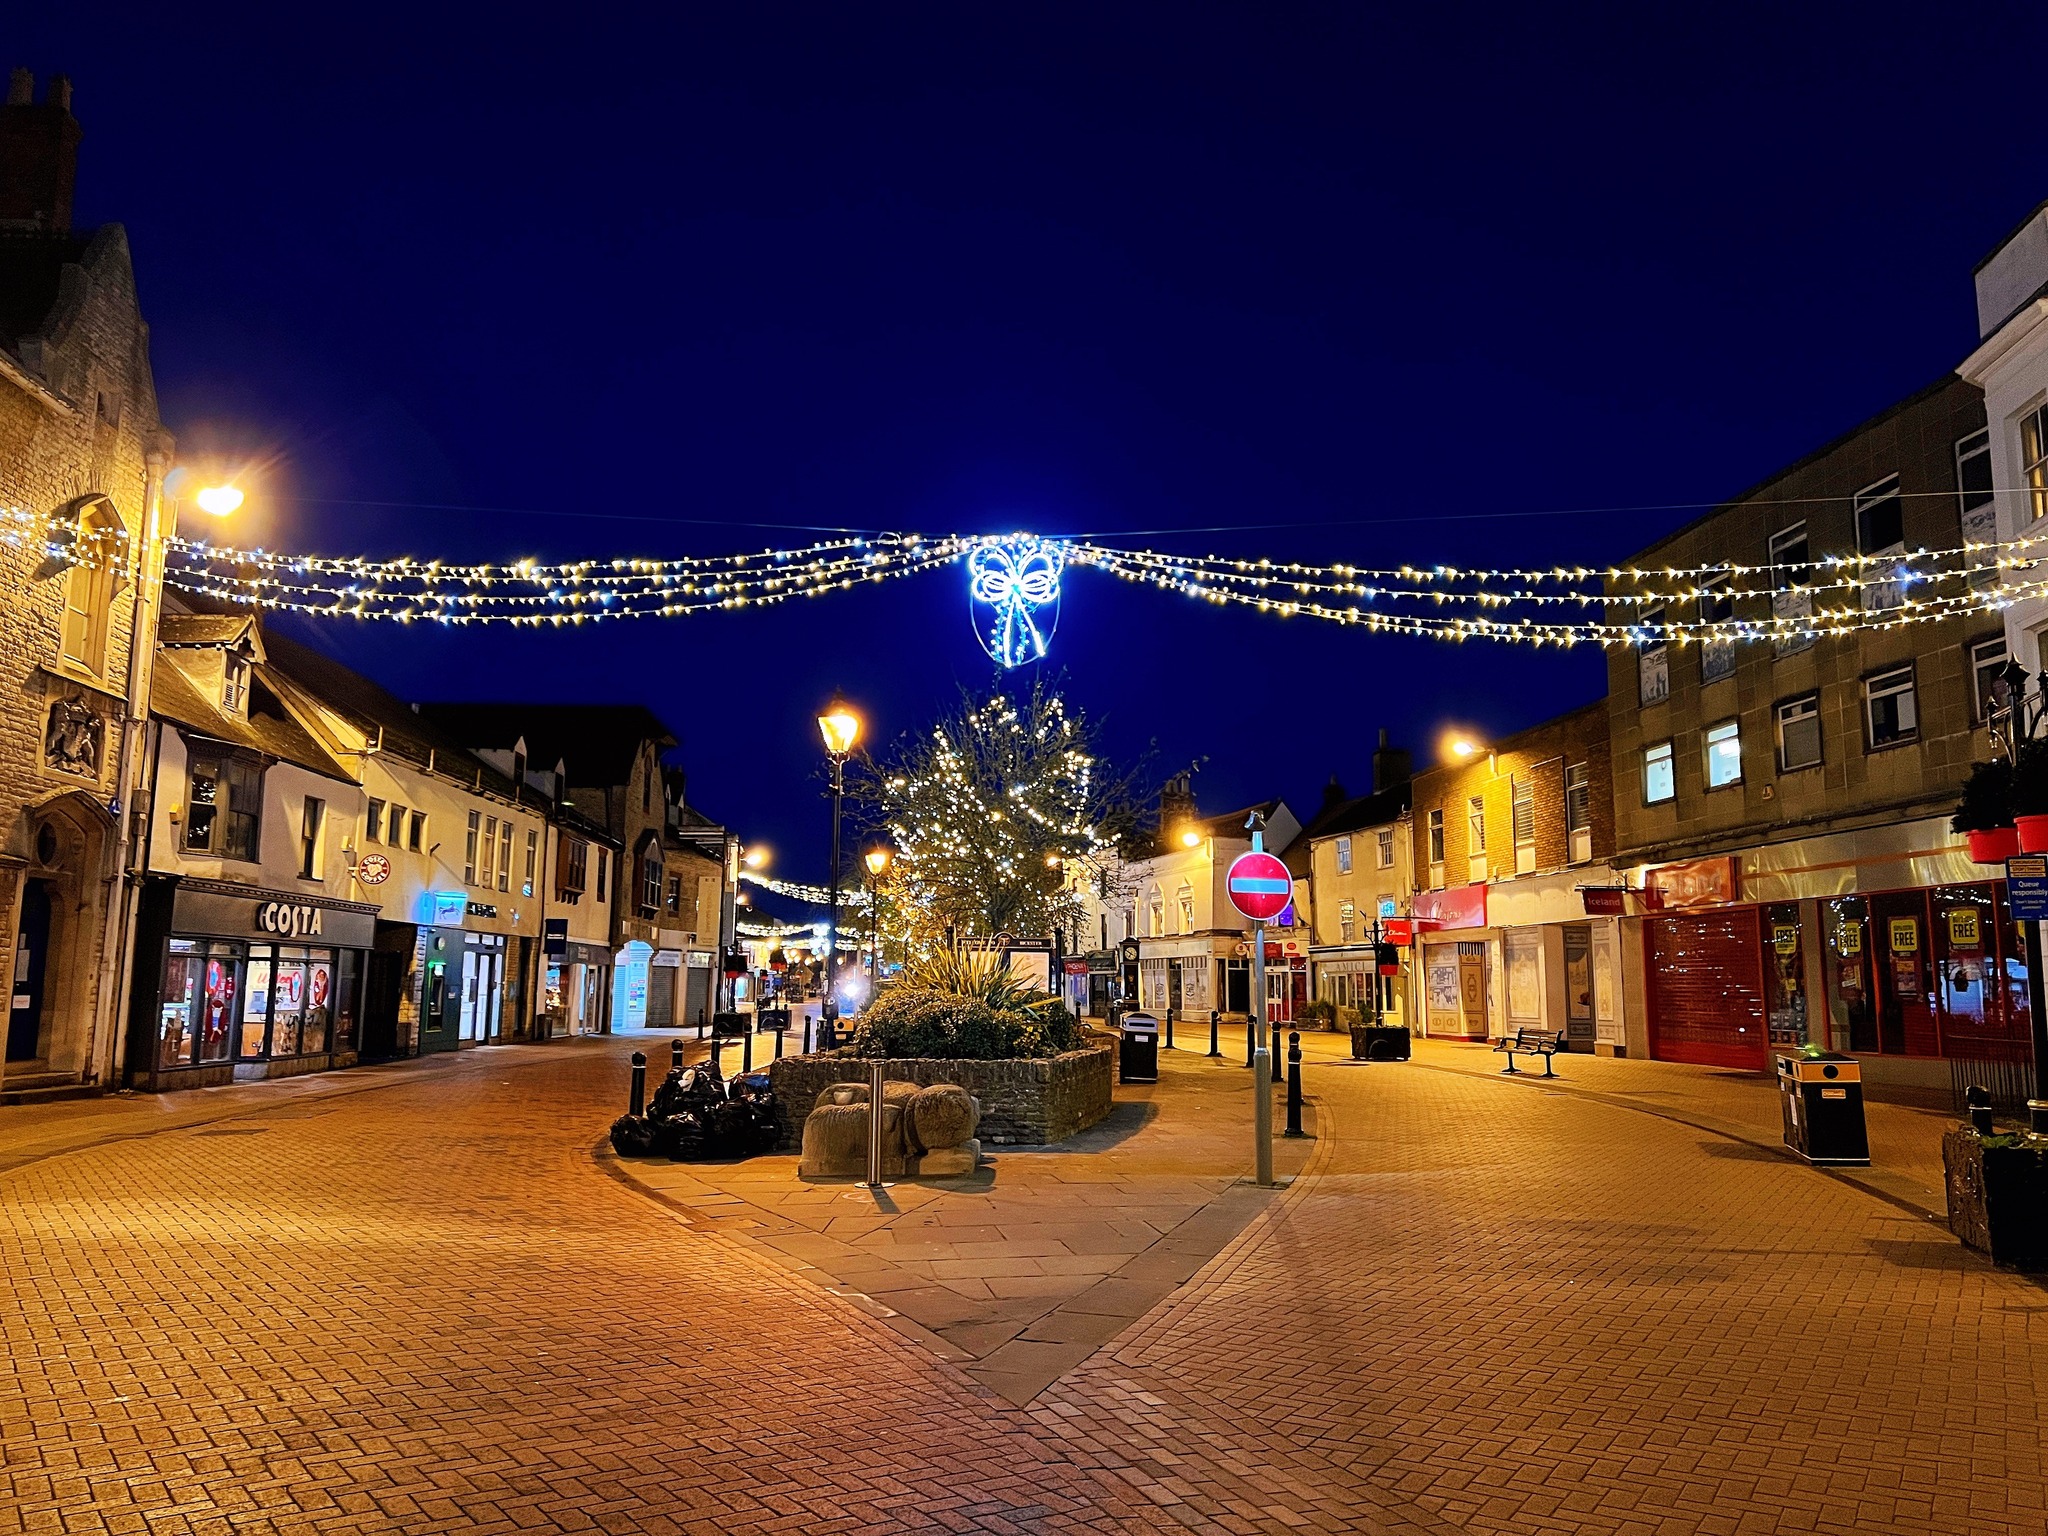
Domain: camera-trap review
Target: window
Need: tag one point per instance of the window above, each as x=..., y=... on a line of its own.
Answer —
x=1975, y=505
x=1880, y=530
x=418, y=830
x=310, y=817
x=234, y=684
x=394, y=826
x=1790, y=567
x=1436, y=837
x=1522, y=793
x=532, y=862
x=1343, y=855
x=1987, y=689
x=1658, y=784
x=373, y=822
x=575, y=860
x=489, y=851
x=1475, y=825
x=1724, y=754
x=1187, y=909
x=1891, y=714
x=469, y=848
x=1385, y=839
x=2034, y=460
x=1653, y=660
x=1156, y=908
x=1799, y=733
x=604, y=873
x=223, y=810
x=675, y=895
x=505, y=854
x=1578, y=812
x=1717, y=657
x=1347, y=922
x=98, y=545
x=650, y=879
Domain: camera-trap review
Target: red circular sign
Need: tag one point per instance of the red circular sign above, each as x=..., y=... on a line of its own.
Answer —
x=1259, y=886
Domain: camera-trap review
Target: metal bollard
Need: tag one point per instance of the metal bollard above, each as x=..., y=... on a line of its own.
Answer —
x=1169, y=1029
x=747, y=1051
x=1279, y=1080
x=675, y=1054
x=1979, y=1100
x=703, y=1024
x=778, y=1043
x=1215, y=1018
x=636, y=1099
x=876, y=1099
x=718, y=1055
x=807, y=1033
x=1293, y=1083
x=1251, y=1040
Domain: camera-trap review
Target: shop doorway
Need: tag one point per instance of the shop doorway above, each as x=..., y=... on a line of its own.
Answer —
x=31, y=962
x=383, y=983
x=1706, y=985
x=1580, y=1008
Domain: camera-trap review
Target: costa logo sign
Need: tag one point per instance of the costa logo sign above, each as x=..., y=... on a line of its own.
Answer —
x=374, y=869
x=292, y=922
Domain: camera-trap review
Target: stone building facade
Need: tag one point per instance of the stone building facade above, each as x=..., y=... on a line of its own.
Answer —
x=82, y=461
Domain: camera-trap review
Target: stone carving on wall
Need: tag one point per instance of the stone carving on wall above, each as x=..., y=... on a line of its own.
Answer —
x=74, y=739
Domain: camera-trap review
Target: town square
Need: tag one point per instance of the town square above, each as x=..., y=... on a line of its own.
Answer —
x=940, y=770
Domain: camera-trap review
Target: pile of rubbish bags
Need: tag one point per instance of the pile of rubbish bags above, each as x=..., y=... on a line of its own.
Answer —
x=695, y=1114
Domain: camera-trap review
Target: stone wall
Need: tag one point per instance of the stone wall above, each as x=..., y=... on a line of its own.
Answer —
x=1023, y=1103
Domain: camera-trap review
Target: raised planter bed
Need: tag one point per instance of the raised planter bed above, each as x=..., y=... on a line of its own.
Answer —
x=1379, y=1042
x=1998, y=1196
x=1023, y=1102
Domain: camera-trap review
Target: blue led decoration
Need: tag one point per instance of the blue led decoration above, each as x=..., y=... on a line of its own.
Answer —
x=1013, y=587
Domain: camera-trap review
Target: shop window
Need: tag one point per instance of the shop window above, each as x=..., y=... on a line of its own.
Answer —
x=311, y=814
x=1717, y=606
x=476, y=821
x=1343, y=855
x=505, y=854
x=1784, y=974
x=1988, y=690
x=1578, y=812
x=2034, y=460
x=1798, y=725
x=1790, y=605
x=1724, y=754
x=1880, y=533
x=196, y=1005
x=1658, y=783
x=223, y=809
x=373, y=822
x=1891, y=714
x=1385, y=844
x=1653, y=659
x=98, y=545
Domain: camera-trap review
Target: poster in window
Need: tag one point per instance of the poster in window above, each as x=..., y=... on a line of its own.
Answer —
x=1785, y=938
x=1904, y=934
x=1849, y=939
x=1964, y=931
x=321, y=984
x=1906, y=977
x=1443, y=985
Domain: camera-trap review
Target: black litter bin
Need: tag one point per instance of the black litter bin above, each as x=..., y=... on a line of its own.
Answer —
x=1822, y=1097
x=1137, y=1055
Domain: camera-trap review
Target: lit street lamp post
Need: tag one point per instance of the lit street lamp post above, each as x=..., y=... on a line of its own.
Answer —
x=840, y=727
x=877, y=860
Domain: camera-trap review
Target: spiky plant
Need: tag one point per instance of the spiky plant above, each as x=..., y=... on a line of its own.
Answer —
x=976, y=974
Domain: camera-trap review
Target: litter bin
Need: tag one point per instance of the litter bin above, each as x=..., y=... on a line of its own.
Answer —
x=1137, y=1055
x=1821, y=1094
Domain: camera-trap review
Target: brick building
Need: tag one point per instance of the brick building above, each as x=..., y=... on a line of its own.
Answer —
x=1505, y=845
x=1353, y=866
x=83, y=457
x=1782, y=803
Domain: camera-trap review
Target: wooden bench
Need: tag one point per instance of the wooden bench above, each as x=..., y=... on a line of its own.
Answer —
x=1531, y=1042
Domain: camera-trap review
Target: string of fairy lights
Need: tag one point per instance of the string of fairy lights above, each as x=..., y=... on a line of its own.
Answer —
x=1017, y=579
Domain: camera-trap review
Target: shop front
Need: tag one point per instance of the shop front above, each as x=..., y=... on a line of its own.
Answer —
x=239, y=983
x=578, y=982
x=1456, y=979
x=1917, y=966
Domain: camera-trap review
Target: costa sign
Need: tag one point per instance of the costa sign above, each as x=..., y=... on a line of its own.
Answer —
x=374, y=869
x=288, y=920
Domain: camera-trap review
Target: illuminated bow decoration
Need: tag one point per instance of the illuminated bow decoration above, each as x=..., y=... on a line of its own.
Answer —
x=1019, y=579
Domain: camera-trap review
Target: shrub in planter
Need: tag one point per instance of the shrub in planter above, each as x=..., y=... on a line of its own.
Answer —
x=2029, y=795
x=1984, y=812
x=963, y=1007
x=1319, y=1014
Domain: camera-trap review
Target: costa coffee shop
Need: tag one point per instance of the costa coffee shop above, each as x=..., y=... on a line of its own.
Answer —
x=233, y=982
x=1887, y=943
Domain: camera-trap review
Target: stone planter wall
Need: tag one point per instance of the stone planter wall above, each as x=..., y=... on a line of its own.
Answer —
x=1023, y=1103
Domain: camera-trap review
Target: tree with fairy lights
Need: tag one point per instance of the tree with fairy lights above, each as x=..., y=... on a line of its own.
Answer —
x=995, y=811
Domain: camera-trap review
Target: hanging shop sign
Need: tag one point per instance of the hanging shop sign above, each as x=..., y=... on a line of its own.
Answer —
x=373, y=869
x=446, y=908
x=1605, y=900
x=554, y=937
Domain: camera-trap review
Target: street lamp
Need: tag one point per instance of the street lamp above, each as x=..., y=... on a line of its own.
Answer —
x=1191, y=838
x=754, y=857
x=877, y=861
x=840, y=727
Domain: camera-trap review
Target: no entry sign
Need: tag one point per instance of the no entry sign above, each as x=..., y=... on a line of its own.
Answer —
x=1259, y=886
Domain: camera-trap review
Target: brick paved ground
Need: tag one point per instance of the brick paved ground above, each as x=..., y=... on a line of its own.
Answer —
x=1484, y=1307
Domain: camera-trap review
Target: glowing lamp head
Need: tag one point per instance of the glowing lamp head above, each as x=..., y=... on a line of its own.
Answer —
x=840, y=727
x=1191, y=838
x=1461, y=747
x=754, y=858
x=877, y=860
x=218, y=500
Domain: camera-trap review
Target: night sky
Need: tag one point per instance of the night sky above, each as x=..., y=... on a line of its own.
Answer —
x=1451, y=285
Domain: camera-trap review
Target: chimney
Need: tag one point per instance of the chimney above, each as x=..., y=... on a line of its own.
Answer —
x=1176, y=801
x=1333, y=795
x=1391, y=766
x=38, y=155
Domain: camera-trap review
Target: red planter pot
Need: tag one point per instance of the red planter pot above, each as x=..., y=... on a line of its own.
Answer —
x=2033, y=833
x=1998, y=844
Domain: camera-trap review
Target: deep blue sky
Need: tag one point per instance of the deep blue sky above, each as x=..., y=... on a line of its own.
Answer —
x=1416, y=281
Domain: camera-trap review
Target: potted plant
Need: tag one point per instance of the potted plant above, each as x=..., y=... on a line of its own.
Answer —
x=2030, y=796
x=1984, y=813
x=1998, y=1194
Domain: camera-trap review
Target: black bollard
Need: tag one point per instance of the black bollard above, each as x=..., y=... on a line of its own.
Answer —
x=1293, y=1083
x=636, y=1101
x=703, y=1025
x=1215, y=1018
x=747, y=1057
x=1278, y=1057
x=675, y=1054
x=1251, y=1039
x=778, y=1044
x=718, y=1054
x=807, y=1034
x=1979, y=1100
x=1169, y=1029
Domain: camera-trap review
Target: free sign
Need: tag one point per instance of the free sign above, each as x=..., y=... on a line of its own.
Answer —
x=1259, y=886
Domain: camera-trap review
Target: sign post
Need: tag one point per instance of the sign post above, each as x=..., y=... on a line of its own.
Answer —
x=1260, y=888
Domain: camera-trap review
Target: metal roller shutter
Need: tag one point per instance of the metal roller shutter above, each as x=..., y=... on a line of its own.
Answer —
x=1706, y=989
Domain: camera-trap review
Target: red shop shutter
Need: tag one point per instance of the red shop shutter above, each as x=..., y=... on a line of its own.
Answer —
x=1706, y=989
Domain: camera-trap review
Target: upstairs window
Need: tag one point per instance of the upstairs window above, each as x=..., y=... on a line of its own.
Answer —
x=1799, y=733
x=1386, y=848
x=505, y=854
x=223, y=811
x=1578, y=812
x=1522, y=797
x=1347, y=921
x=1436, y=837
x=1653, y=659
x=417, y=832
x=1187, y=909
x=476, y=821
x=574, y=875
x=1791, y=607
x=650, y=880
x=1343, y=855
x=394, y=826
x=1724, y=754
x=2034, y=461
x=99, y=542
x=604, y=874
x=1880, y=533
x=532, y=862
x=1475, y=825
x=675, y=895
x=234, y=684
x=310, y=817
x=373, y=822
x=1891, y=710
x=1988, y=690
x=1717, y=656
x=1659, y=784
x=487, y=852
x=1976, y=504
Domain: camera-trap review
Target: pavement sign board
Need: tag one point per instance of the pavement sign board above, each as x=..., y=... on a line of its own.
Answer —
x=1259, y=886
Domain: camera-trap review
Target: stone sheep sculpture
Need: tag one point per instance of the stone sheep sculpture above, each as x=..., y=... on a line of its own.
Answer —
x=926, y=1132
